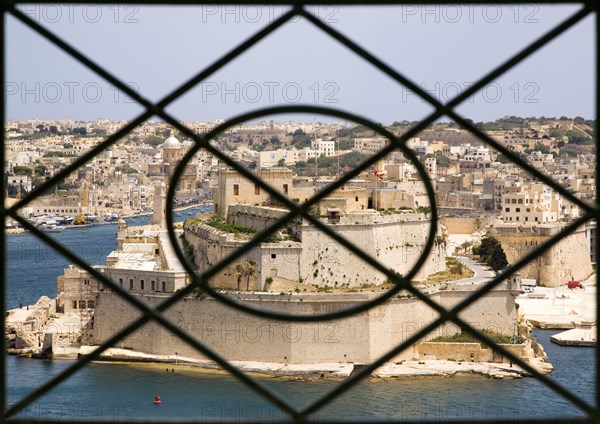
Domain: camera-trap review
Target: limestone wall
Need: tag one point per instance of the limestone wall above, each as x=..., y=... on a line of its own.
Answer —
x=396, y=244
x=258, y=217
x=464, y=352
x=30, y=331
x=467, y=225
x=210, y=246
x=569, y=258
x=238, y=336
x=280, y=260
x=395, y=239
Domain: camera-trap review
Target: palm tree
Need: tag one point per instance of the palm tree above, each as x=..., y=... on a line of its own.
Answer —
x=251, y=267
x=239, y=271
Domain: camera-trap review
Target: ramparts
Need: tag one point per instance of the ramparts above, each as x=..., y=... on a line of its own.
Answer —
x=568, y=259
x=395, y=239
x=358, y=339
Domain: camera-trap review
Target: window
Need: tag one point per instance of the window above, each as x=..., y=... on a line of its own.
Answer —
x=256, y=190
x=507, y=210
x=164, y=286
x=273, y=255
x=131, y=284
x=141, y=284
x=518, y=210
x=152, y=285
x=285, y=189
x=236, y=190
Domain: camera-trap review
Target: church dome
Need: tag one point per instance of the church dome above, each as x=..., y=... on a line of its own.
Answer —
x=172, y=143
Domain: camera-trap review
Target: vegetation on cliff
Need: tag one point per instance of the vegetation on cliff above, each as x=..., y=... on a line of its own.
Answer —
x=218, y=221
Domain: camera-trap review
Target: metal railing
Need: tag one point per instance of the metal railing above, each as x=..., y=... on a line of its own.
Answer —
x=590, y=211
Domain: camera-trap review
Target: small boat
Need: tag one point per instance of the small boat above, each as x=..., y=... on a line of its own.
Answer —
x=157, y=400
x=54, y=229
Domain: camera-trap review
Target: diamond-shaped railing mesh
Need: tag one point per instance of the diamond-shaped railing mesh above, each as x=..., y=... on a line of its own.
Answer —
x=590, y=211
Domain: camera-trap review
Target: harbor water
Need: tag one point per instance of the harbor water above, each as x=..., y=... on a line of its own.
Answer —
x=122, y=392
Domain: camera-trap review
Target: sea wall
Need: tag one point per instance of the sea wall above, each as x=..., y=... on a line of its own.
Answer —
x=28, y=324
x=241, y=337
x=468, y=352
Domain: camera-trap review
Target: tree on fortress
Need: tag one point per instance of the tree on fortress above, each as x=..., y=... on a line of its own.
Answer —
x=491, y=252
x=250, y=270
x=238, y=271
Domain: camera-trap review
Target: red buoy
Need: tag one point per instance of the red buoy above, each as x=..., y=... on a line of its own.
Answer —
x=157, y=400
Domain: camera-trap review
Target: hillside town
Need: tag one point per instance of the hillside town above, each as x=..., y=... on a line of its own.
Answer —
x=471, y=180
x=385, y=211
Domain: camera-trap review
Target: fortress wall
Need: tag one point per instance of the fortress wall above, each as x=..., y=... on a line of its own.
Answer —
x=570, y=258
x=396, y=240
x=210, y=246
x=399, y=248
x=395, y=199
x=465, y=352
x=496, y=311
x=258, y=217
x=241, y=337
x=467, y=225
x=280, y=260
x=325, y=262
x=371, y=218
x=396, y=244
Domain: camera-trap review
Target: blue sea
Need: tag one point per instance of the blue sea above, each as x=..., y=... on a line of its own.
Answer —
x=125, y=392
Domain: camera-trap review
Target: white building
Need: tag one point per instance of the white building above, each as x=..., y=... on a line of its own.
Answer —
x=271, y=158
x=323, y=147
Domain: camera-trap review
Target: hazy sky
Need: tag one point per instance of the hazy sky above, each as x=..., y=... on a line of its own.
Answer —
x=443, y=48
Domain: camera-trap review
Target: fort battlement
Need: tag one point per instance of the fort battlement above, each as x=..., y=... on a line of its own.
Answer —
x=544, y=230
x=360, y=338
x=211, y=234
x=557, y=264
x=259, y=217
x=395, y=238
x=371, y=217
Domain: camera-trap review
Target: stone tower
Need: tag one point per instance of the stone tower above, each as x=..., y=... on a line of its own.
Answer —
x=160, y=206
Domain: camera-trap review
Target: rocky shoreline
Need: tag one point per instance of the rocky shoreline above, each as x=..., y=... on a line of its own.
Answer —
x=307, y=372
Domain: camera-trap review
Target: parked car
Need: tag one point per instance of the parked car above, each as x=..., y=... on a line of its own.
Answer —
x=527, y=289
x=574, y=285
